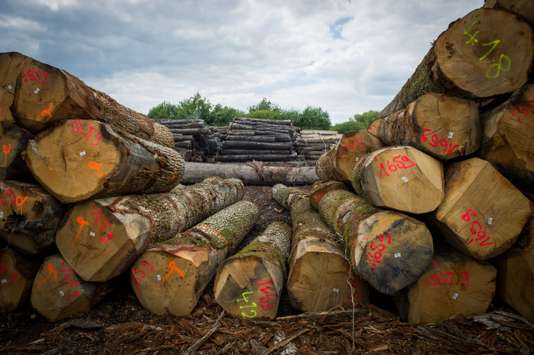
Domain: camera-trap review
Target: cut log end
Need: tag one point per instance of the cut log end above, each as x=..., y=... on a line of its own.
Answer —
x=351, y=146
x=16, y=278
x=13, y=141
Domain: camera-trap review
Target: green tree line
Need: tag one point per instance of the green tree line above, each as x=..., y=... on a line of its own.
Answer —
x=198, y=107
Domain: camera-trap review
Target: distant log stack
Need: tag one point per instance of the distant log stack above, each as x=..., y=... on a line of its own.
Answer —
x=29, y=217
x=311, y=144
x=192, y=138
x=250, y=139
x=99, y=242
x=401, y=178
x=443, y=126
x=80, y=159
x=320, y=277
x=453, y=285
x=44, y=95
x=509, y=138
x=171, y=276
x=484, y=54
x=482, y=213
x=16, y=278
x=249, y=284
x=59, y=293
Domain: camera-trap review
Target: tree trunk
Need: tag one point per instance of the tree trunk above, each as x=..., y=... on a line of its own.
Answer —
x=320, y=188
x=29, y=217
x=45, y=94
x=320, y=277
x=249, y=284
x=484, y=54
x=258, y=157
x=443, y=126
x=185, y=264
x=58, y=293
x=252, y=152
x=251, y=173
x=523, y=8
x=388, y=249
x=80, y=159
x=261, y=121
x=454, y=285
x=482, y=213
x=13, y=140
x=516, y=275
x=257, y=145
x=509, y=138
x=102, y=238
x=401, y=178
x=350, y=147
x=260, y=139
x=16, y=278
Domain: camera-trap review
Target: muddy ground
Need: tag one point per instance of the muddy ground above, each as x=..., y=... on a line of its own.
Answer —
x=119, y=325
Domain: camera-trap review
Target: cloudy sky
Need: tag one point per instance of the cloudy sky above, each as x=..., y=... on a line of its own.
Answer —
x=346, y=56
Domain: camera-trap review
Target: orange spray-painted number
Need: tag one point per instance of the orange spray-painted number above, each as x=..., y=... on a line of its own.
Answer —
x=6, y=149
x=172, y=268
x=46, y=113
x=82, y=222
x=97, y=167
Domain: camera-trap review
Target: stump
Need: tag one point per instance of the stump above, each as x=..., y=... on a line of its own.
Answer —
x=509, y=138
x=45, y=95
x=80, y=159
x=16, y=278
x=13, y=141
x=388, y=249
x=349, y=148
x=443, y=126
x=516, y=275
x=185, y=264
x=482, y=213
x=454, y=285
x=58, y=293
x=401, y=178
x=29, y=217
x=249, y=284
x=484, y=54
x=102, y=238
x=320, y=277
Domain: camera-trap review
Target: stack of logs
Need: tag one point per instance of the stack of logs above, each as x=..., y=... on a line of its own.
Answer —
x=454, y=151
x=311, y=144
x=192, y=138
x=250, y=139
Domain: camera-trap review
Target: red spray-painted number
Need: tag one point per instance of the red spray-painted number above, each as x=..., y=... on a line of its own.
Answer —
x=449, y=278
x=35, y=75
x=476, y=229
x=375, y=256
x=399, y=162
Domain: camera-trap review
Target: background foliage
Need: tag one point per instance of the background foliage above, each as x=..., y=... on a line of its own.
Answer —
x=198, y=107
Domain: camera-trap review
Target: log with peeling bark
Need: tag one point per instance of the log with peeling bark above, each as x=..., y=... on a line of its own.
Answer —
x=443, y=126
x=350, y=147
x=484, y=54
x=325, y=166
x=82, y=159
x=482, y=213
x=13, y=141
x=58, y=293
x=184, y=265
x=516, y=274
x=253, y=173
x=454, y=285
x=508, y=141
x=44, y=94
x=100, y=239
x=249, y=284
x=29, y=217
x=320, y=277
x=388, y=249
x=523, y=8
x=401, y=178
x=16, y=278
x=320, y=188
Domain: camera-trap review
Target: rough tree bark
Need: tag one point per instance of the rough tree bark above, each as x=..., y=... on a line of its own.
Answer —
x=508, y=141
x=44, y=94
x=29, y=217
x=80, y=159
x=443, y=126
x=16, y=278
x=453, y=285
x=324, y=167
x=484, y=54
x=388, y=249
x=185, y=264
x=320, y=277
x=482, y=213
x=401, y=178
x=249, y=284
x=102, y=238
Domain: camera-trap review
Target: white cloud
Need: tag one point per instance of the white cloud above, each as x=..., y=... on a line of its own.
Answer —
x=20, y=24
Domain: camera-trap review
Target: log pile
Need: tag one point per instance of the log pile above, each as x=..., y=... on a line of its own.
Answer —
x=311, y=144
x=250, y=139
x=193, y=139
